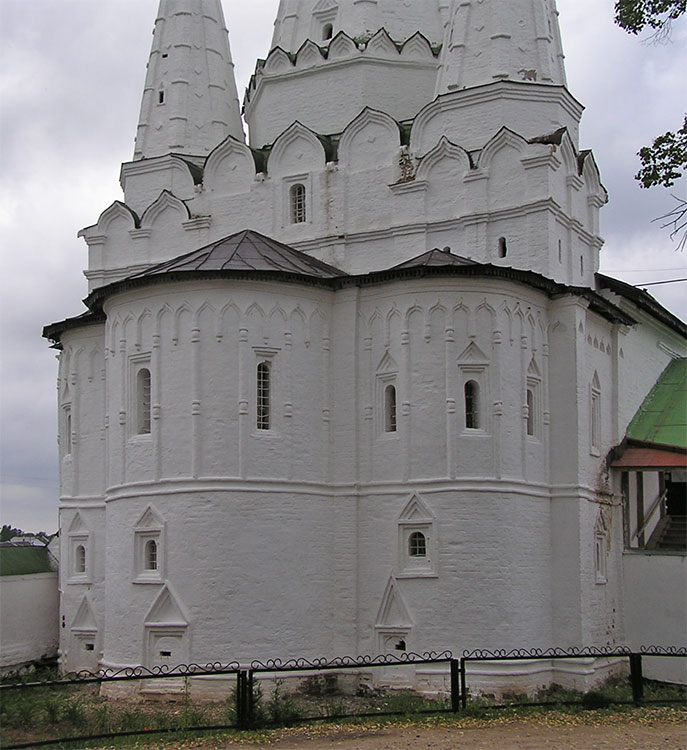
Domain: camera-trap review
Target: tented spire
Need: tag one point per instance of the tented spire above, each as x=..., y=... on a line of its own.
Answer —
x=495, y=40
x=190, y=102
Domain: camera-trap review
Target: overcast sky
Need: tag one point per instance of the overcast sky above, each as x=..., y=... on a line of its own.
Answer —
x=71, y=77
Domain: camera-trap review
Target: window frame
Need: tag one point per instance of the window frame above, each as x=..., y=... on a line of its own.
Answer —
x=76, y=541
x=595, y=417
x=137, y=401
x=289, y=184
x=149, y=528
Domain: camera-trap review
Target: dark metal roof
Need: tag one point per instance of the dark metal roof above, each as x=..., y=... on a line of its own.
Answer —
x=245, y=251
x=643, y=300
x=436, y=257
x=249, y=255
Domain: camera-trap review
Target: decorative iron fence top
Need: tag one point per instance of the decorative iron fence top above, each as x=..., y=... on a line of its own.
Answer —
x=663, y=650
x=339, y=662
x=137, y=672
x=481, y=654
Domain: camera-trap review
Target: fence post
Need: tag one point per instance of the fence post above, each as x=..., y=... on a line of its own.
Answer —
x=636, y=678
x=250, y=695
x=241, y=701
x=455, y=685
x=463, y=686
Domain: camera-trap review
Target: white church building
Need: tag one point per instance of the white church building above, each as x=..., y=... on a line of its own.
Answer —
x=350, y=385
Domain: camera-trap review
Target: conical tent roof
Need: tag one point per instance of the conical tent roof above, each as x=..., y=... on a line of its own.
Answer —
x=245, y=251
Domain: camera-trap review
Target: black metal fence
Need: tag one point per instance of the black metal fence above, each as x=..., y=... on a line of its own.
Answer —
x=245, y=707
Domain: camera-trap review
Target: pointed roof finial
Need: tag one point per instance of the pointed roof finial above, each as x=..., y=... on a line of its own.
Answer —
x=190, y=102
x=495, y=40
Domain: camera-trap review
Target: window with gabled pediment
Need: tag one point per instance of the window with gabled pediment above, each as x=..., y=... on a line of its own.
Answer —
x=140, y=399
x=417, y=545
x=148, y=547
x=386, y=397
x=79, y=551
x=473, y=366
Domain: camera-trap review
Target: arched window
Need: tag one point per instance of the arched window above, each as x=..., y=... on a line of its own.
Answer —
x=150, y=562
x=503, y=247
x=143, y=401
x=80, y=561
x=390, y=408
x=530, y=412
x=327, y=31
x=417, y=544
x=472, y=405
x=263, y=396
x=297, y=200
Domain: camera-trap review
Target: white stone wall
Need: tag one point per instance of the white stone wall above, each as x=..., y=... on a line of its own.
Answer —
x=28, y=599
x=244, y=517
x=656, y=610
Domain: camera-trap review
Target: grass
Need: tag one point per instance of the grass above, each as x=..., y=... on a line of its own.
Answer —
x=33, y=714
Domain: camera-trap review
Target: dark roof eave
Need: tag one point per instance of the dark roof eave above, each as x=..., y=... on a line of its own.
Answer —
x=96, y=298
x=53, y=331
x=644, y=301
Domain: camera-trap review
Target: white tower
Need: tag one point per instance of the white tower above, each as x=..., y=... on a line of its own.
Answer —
x=189, y=102
x=495, y=41
x=330, y=60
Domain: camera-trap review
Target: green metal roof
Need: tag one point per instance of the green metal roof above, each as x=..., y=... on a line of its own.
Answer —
x=22, y=561
x=662, y=418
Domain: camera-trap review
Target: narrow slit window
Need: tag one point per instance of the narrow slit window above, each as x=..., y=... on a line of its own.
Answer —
x=161, y=96
x=151, y=555
x=263, y=396
x=472, y=405
x=80, y=562
x=297, y=198
x=143, y=401
x=530, y=412
x=560, y=251
x=503, y=247
x=390, y=408
x=68, y=431
x=581, y=264
x=595, y=415
x=417, y=544
x=327, y=31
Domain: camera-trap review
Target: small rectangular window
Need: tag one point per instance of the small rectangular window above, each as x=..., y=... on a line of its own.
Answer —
x=263, y=396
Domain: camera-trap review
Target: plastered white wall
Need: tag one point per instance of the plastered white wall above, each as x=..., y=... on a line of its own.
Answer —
x=28, y=599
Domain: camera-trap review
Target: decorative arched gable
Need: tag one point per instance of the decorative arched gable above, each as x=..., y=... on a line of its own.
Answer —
x=381, y=45
x=341, y=47
x=277, y=61
x=309, y=55
x=166, y=208
x=504, y=139
x=373, y=138
x=229, y=168
x=417, y=46
x=116, y=217
x=443, y=152
x=297, y=150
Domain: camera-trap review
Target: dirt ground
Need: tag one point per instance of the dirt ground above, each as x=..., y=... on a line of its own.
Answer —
x=525, y=736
